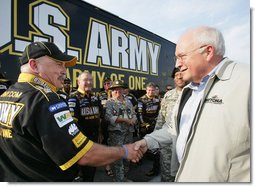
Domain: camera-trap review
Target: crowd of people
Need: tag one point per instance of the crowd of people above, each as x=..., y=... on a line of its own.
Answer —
x=194, y=132
x=114, y=117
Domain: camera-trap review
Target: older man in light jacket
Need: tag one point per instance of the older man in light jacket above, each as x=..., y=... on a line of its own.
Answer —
x=211, y=124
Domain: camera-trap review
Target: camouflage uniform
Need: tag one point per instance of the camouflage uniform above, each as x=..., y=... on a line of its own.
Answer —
x=167, y=105
x=134, y=102
x=119, y=133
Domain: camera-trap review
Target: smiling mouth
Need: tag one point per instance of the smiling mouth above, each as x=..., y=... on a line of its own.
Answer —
x=183, y=70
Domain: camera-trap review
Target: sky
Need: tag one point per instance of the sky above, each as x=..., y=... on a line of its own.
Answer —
x=170, y=18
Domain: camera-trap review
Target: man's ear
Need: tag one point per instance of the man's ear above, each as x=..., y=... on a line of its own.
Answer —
x=210, y=52
x=33, y=65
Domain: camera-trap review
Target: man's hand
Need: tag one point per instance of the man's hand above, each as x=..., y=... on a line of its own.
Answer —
x=141, y=145
x=133, y=154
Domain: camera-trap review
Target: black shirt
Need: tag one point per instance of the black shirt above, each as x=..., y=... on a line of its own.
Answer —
x=39, y=140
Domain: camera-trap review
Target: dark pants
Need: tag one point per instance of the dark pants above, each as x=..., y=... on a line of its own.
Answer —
x=156, y=162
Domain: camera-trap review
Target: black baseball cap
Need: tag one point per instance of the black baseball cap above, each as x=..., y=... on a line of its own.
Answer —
x=39, y=49
x=175, y=70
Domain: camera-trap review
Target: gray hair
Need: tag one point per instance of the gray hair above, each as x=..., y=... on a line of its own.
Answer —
x=209, y=35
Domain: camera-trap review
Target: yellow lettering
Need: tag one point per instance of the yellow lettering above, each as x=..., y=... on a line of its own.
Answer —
x=101, y=78
x=134, y=82
x=11, y=94
x=6, y=133
x=137, y=83
x=114, y=76
x=143, y=80
x=121, y=76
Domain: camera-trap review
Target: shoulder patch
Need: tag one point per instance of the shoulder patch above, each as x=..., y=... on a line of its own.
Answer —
x=62, y=118
x=57, y=106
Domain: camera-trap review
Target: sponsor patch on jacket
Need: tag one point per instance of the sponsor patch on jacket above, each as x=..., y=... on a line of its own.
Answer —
x=57, y=106
x=63, y=118
x=71, y=104
x=79, y=139
x=214, y=99
x=73, y=129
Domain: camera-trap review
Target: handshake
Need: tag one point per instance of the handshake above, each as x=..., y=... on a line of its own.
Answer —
x=135, y=151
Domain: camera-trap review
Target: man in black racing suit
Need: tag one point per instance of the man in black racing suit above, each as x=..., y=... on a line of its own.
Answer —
x=86, y=109
x=39, y=140
x=148, y=109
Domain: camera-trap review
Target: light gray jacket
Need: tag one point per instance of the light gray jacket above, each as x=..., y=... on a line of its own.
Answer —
x=218, y=148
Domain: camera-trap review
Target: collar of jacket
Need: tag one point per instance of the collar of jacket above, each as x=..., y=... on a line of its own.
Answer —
x=225, y=70
x=84, y=93
x=27, y=77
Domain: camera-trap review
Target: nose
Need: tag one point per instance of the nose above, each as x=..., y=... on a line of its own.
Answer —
x=178, y=64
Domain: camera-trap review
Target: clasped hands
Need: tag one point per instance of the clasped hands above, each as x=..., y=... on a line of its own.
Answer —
x=136, y=150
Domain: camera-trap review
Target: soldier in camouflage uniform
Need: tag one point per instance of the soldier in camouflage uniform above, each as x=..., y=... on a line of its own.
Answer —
x=134, y=102
x=167, y=105
x=122, y=118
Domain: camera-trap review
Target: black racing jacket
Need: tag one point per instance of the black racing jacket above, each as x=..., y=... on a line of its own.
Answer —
x=86, y=109
x=39, y=140
x=148, y=109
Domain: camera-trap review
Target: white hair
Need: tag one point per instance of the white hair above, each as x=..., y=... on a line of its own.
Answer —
x=210, y=36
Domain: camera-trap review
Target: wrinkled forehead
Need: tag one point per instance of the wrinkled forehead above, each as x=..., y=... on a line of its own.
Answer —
x=187, y=40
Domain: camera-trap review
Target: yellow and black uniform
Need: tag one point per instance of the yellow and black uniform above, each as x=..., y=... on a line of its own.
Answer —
x=36, y=127
x=148, y=109
x=86, y=109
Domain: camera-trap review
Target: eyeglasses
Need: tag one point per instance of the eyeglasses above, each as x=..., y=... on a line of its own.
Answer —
x=182, y=56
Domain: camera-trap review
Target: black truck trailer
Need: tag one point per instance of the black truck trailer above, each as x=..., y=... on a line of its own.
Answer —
x=105, y=44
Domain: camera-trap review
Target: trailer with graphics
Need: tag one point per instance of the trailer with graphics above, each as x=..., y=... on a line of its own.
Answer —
x=104, y=44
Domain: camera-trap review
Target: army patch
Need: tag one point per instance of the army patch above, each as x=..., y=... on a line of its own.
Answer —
x=79, y=139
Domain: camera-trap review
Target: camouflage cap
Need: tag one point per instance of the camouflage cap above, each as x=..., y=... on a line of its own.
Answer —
x=117, y=84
